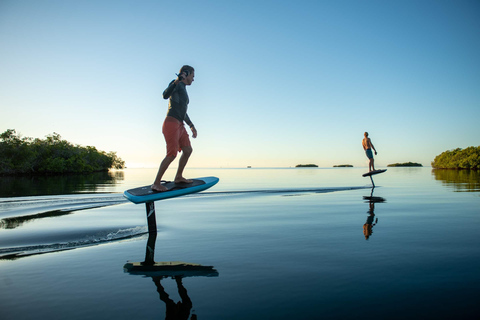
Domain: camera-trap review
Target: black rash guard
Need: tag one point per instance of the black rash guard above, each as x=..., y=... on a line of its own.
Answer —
x=178, y=103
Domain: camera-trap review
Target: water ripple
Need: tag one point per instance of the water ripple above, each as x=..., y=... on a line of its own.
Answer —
x=25, y=251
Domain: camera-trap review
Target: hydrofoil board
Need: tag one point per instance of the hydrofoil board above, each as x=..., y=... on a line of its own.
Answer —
x=371, y=173
x=146, y=194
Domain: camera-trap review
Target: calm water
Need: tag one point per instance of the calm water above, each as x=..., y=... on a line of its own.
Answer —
x=273, y=243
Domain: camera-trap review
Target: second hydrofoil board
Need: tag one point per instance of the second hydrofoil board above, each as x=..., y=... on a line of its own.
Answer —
x=371, y=173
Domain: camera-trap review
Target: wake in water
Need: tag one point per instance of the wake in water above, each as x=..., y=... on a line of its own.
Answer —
x=34, y=206
x=38, y=225
x=19, y=252
x=43, y=224
x=285, y=191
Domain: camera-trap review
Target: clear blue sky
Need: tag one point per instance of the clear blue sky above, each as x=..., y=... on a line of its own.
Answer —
x=277, y=83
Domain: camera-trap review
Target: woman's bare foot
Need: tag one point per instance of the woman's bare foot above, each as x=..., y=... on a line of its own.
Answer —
x=158, y=188
x=183, y=180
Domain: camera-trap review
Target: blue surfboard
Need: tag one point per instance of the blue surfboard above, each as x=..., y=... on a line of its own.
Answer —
x=146, y=194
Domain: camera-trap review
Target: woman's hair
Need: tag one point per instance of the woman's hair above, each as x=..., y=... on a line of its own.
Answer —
x=187, y=69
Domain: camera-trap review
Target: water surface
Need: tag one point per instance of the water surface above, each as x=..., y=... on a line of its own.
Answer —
x=307, y=244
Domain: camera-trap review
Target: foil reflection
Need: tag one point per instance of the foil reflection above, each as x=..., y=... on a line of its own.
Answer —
x=176, y=270
x=371, y=219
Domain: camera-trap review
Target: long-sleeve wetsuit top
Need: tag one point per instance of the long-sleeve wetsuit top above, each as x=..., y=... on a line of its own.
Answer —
x=178, y=103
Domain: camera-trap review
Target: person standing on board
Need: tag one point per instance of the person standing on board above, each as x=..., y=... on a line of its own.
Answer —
x=368, y=146
x=173, y=129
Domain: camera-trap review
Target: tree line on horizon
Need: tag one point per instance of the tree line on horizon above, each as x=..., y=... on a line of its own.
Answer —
x=51, y=155
x=468, y=158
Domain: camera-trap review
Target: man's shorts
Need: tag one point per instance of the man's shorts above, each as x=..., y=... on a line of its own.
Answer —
x=369, y=153
x=175, y=135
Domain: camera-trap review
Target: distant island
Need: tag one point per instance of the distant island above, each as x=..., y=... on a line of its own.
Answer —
x=306, y=166
x=468, y=158
x=343, y=166
x=405, y=164
x=28, y=156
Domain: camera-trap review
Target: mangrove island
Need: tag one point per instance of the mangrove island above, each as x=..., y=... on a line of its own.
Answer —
x=405, y=164
x=468, y=158
x=343, y=166
x=28, y=156
x=306, y=166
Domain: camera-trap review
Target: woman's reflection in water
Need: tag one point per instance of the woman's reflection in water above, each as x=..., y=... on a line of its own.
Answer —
x=179, y=310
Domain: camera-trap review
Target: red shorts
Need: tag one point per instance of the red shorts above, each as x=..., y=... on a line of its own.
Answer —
x=176, y=136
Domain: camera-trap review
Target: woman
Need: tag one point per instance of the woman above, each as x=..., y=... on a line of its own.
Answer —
x=176, y=135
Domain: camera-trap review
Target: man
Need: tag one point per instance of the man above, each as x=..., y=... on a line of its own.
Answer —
x=368, y=146
x=173, y=129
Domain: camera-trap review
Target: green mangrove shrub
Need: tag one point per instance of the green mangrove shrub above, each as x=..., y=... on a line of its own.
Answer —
x=468, y=158
x=52, y=155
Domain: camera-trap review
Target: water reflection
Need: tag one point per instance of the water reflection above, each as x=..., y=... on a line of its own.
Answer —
x=176, y=270
x=15, y=213
x=55, y=185
x=459, y=180
x=179, y=310
x=371, y=220
x=15, y=222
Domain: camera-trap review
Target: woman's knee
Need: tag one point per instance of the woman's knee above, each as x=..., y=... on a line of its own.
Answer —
x=169, y=158
x=187, y=150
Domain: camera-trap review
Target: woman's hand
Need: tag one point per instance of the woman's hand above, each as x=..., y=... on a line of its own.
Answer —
x=194, y=131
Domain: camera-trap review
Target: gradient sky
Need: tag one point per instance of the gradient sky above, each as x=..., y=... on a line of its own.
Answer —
x=277, y=83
